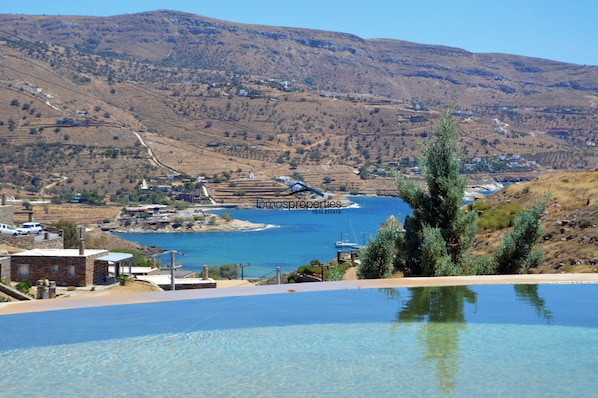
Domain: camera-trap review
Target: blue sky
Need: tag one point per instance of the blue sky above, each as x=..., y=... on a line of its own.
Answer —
x=559, y=30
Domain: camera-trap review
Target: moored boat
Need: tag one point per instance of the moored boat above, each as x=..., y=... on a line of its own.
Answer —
x=345, y=244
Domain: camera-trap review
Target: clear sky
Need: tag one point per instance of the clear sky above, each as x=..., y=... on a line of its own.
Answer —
x=552, y=29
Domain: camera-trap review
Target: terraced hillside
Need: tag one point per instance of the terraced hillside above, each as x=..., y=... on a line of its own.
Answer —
x=98, y=104
x=245, y=192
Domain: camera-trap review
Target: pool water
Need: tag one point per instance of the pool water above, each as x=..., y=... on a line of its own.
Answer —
x=501, y=340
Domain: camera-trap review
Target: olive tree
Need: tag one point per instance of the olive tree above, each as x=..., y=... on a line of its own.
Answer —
x=376, y=257
x=515, y=254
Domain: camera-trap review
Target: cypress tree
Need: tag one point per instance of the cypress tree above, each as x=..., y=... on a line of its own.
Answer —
x=438, y=233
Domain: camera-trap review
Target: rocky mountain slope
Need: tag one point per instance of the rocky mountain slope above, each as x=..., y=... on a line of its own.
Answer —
x=99, y=103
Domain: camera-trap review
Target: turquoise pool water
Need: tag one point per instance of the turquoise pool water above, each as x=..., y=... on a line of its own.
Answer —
x=500, y=340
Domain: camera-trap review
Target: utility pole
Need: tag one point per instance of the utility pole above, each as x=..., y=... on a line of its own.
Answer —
x=172, y=284
x=242, y=268
x=172, y=266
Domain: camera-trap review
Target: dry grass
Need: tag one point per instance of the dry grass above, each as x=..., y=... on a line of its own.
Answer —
x=570, y=220
x=77, y=213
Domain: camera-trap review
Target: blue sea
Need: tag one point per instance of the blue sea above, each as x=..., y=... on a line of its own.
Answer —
x=293, y=237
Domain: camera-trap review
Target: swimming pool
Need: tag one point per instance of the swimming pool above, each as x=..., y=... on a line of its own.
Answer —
x=494, y=340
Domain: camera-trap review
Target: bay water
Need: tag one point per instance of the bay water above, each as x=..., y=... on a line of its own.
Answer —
x=292, y=238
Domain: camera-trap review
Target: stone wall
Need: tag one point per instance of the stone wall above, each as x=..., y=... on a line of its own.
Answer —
x=29, y=242
x=7, y=215
x=187, y=286
x=5, y=269
x=53, y=243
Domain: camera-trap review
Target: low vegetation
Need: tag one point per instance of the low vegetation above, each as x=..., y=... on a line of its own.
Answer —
x=500, y=216
x=24, y=286
x=328, y=271
x=224, y=271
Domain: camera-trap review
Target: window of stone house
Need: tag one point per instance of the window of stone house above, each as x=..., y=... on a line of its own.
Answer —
x=54, y=267
x=72, y=270
x=23, y=269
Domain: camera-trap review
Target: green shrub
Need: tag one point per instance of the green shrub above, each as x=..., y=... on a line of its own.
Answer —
x=335, y=273
x=483, y=265
x=123, y=279
x=515, y=254
x=292, y=277
x=24, y=286
x=501, y=217
x=331, y=273
x=229, y=271
x=479, y=205
x=213, y=272
x=139, y=258
x=310, y=269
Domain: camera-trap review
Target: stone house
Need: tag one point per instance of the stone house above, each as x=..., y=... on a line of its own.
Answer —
x=67, y=267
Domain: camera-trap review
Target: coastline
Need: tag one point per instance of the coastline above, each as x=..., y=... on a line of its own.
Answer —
x=216, y=223
x=218, y=226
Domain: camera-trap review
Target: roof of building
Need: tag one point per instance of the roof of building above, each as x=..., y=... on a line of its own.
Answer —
x=115, y=257
x=58, y=253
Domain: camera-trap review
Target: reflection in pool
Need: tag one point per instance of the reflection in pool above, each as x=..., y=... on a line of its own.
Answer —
x=503, y=340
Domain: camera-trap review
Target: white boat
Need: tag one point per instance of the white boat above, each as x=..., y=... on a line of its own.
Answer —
x=345, y=244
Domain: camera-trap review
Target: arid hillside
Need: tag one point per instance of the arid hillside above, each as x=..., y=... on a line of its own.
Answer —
x=98, y=104
x=570, y=220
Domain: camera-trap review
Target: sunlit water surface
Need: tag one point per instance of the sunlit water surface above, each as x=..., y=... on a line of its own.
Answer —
x=504, y=340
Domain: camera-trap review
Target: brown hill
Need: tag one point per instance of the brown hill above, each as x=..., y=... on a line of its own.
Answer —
x=331, y=61
x=99, y=103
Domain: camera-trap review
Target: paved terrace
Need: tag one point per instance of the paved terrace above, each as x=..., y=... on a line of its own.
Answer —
x=296, y=288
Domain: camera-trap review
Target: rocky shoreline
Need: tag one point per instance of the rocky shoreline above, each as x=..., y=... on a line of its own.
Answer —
x=220, y=225
x=477, y=191
x=194, y=219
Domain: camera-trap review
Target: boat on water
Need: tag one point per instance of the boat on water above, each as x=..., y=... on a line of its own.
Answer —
x=345, y=244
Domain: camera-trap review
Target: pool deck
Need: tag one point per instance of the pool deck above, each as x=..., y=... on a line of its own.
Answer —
x=247, y=290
